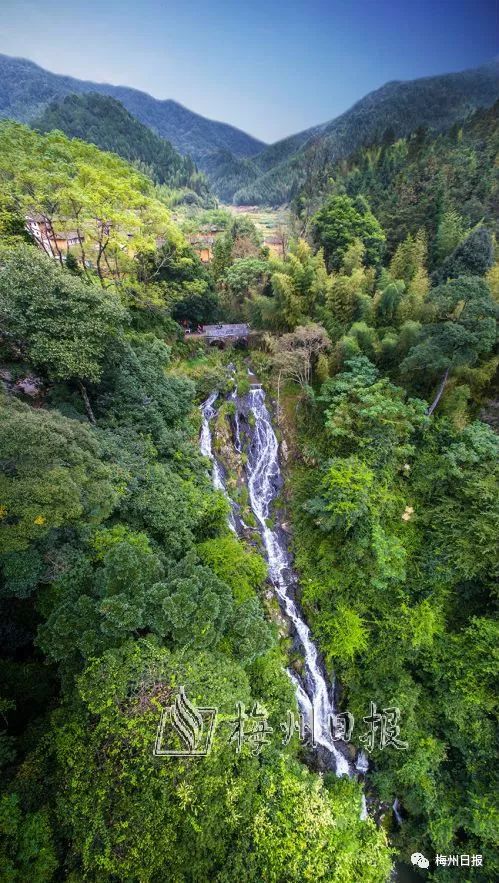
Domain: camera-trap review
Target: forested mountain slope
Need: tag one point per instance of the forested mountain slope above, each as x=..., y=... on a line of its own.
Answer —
x=103, y=121
x=412, y=183
x=398, y=107
x=26, y=89
x=119, y=576
x=381, y=348
x=240, y=167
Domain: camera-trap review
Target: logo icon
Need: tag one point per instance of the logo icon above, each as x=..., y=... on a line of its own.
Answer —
x=186, y=730
x=417, y=858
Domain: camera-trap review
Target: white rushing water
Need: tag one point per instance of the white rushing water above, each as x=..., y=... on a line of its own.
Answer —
x=238, y=446
x=396, y=812
x=314, y=698
x=208, y=412
x=362, y=763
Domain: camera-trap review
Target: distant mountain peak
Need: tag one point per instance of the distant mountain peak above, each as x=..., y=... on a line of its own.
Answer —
x=436, y=101
x=104, y=121
x=242, y=167
x=26, y=89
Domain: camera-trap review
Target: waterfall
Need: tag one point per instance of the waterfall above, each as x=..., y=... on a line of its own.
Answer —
x=314, y=696
x=315, y=700
x=362, y=763
x=207, y=413
x=238, y=446
x=396, y=812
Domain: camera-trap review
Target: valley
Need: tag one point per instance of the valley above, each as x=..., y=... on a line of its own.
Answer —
x=248, y=487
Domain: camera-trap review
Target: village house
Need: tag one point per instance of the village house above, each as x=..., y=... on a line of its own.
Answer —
x=204, y=241
x=203, y=246
x=53, y=242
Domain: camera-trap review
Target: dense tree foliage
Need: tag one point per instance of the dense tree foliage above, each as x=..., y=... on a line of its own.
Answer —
x=393, y=475
x=339, y=223
x=279, y=171
x=103, y=121
x=119, y=577
x=394, y=499
x=60, y=324
x=72, y=187
x=444, y=183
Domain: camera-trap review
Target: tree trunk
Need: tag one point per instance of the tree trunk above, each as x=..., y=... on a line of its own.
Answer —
x=86, y=402
x=98, y=265
x=438, y=396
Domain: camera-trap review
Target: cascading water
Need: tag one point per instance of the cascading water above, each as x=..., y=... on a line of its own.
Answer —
x=238, y=445
x=396, y=812
x=208, y=412
x=264, y=477
x=315, y=699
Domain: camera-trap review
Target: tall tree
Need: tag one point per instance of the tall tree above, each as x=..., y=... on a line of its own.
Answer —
x=339, y=223
x=463, y=330
x=472, y=257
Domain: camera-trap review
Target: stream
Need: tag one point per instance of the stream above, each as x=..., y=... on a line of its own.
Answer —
x=264, y=480
x=315, y=696
x=208, y=413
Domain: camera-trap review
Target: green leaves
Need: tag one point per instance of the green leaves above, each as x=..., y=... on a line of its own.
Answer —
x=110, y=206
x=52, y=475
x=191, y=606
x=462, y=331
x=364, y=412
x=62, y=325
x=340, y=222
x=344, y=500
x=105, y=122
x=472, y=257
x=27, y=850
x=131, y=815
x=240, y=567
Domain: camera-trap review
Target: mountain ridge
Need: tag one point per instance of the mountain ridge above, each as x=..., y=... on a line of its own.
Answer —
x=26, y=89
x=243, y=169
x=105, y=122
x=436, y=102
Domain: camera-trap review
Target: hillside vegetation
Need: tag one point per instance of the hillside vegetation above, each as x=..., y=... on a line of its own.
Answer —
x=120, y=579
x=119, y=576
x=103, y=121
x=242, y=169
x=398, y=107
x=26, y=89
x=381, y=350
x=413, y=182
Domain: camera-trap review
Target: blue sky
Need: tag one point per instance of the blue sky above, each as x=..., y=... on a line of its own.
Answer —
x=271, y=68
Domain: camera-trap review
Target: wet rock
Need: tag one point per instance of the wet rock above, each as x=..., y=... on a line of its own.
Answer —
x=29, y=386
x=298, y=665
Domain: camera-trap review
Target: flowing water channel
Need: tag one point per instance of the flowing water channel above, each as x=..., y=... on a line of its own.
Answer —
x=315, y=695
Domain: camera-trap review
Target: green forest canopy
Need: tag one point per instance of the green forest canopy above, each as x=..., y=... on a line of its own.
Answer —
x=103, y=121
x=117, y=569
